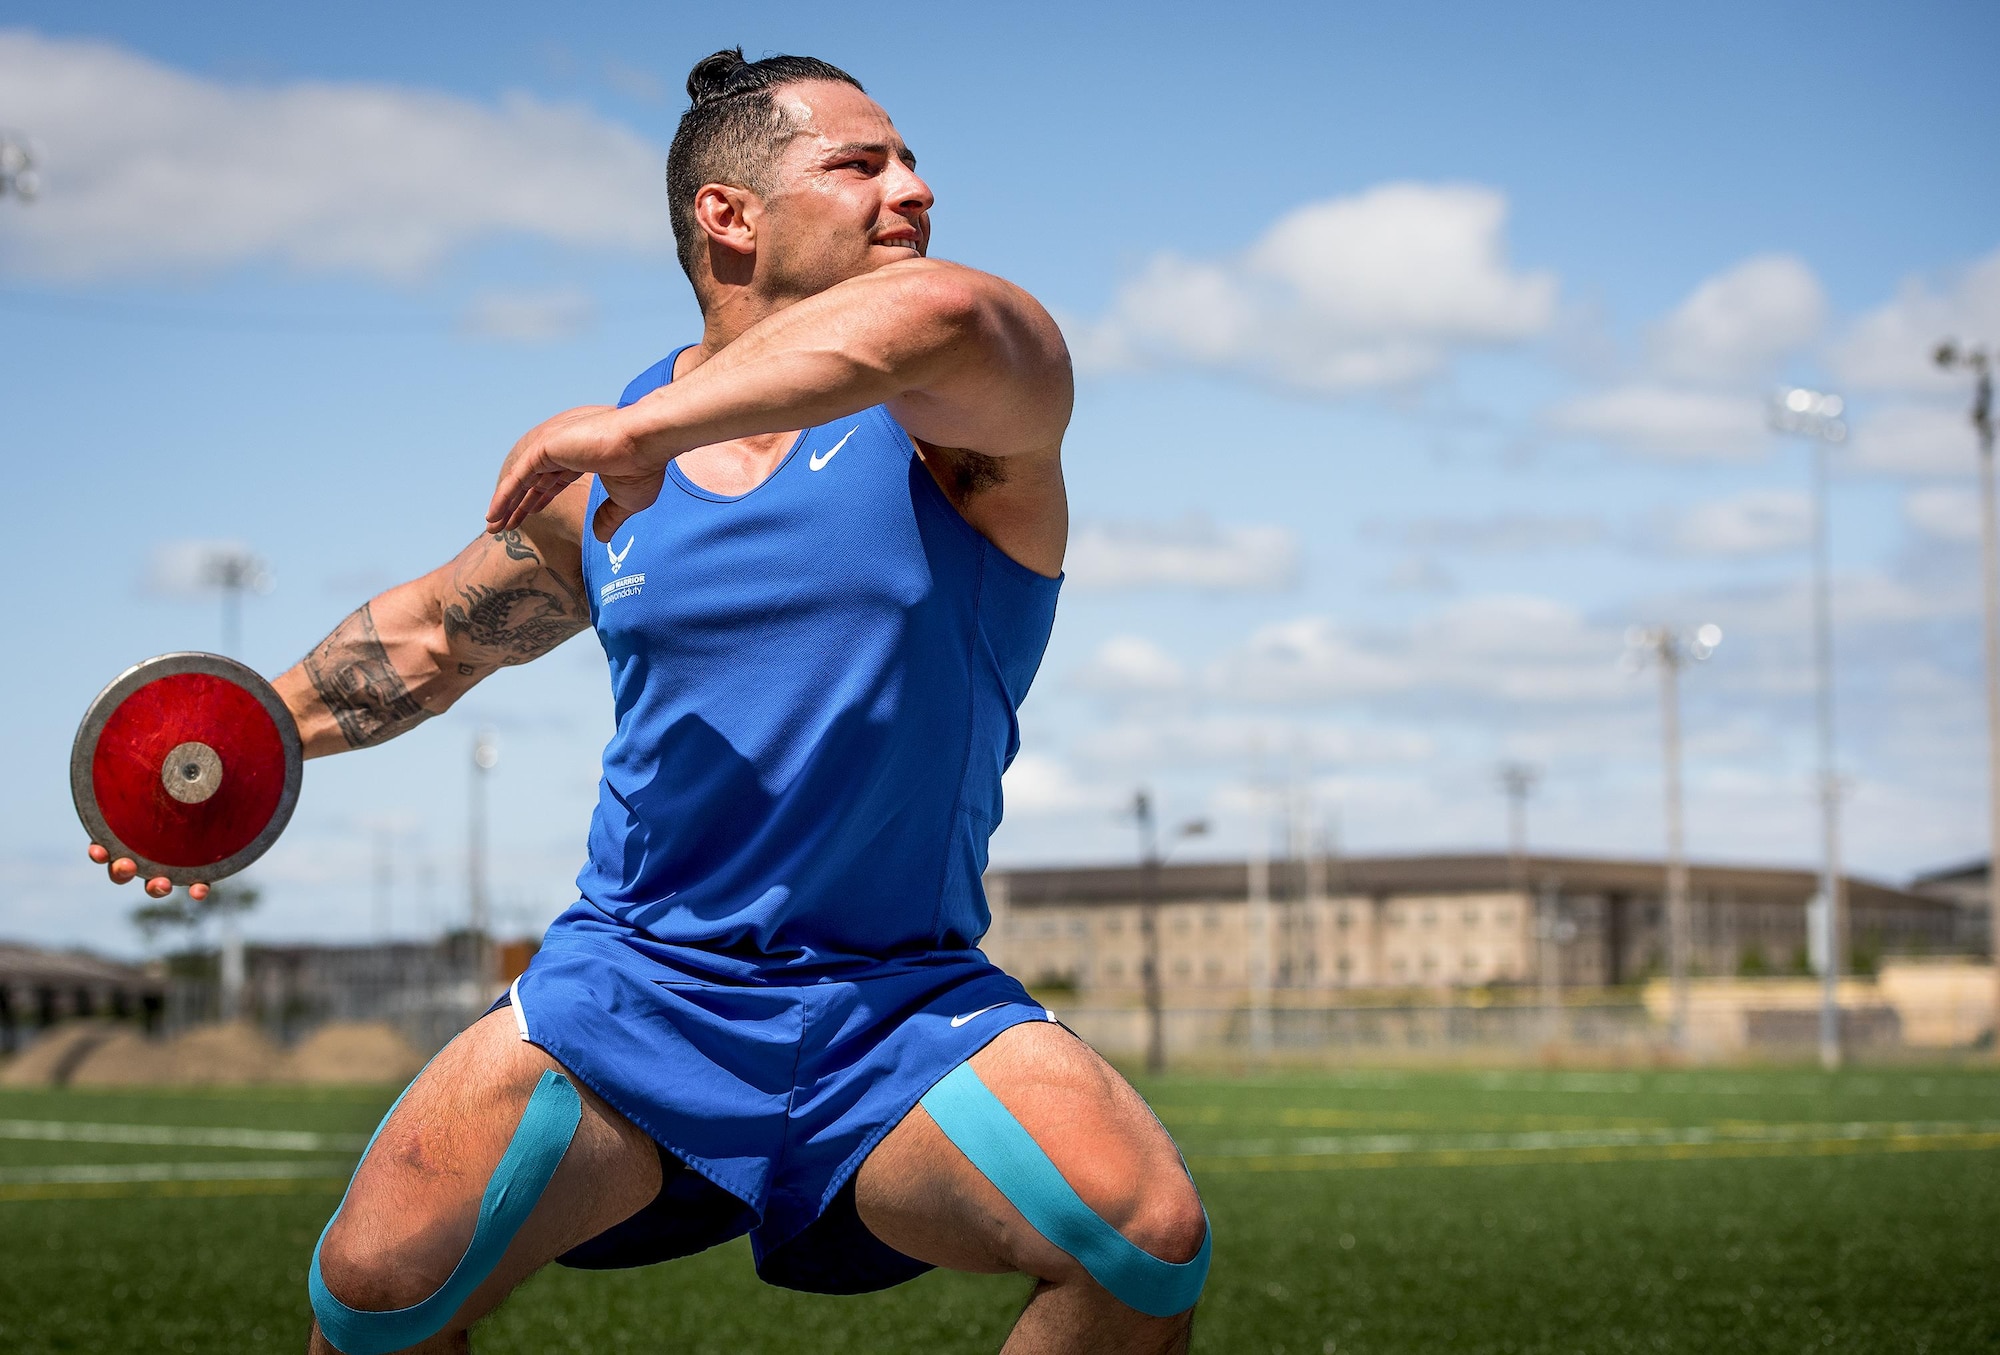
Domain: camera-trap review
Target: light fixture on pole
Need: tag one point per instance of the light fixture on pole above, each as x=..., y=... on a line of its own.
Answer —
x=1980, y=362
x=18, y=174
x=1151, y=858
x=1669, y=649
x=1817, y=415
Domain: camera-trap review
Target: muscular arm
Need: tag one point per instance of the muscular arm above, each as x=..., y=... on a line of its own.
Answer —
x=963, y=359
x=411, y=652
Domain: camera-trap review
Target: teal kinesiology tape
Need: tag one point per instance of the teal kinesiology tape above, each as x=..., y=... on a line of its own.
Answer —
x=972, y=1117
x=543, y=1136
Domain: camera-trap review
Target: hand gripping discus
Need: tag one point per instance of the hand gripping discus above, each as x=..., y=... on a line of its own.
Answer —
x=189, y=764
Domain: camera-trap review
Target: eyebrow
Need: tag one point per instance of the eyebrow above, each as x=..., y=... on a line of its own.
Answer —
x=909, y=156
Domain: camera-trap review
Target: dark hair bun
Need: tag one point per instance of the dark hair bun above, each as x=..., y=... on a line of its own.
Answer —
x=711, y=76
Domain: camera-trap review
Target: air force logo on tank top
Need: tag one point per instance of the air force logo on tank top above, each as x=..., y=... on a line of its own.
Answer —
x=618, y=587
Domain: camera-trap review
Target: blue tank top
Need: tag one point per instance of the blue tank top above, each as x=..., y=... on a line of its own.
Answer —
x=815, y=685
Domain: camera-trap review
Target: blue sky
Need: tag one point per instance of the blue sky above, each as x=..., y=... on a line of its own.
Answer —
x=1423, y=348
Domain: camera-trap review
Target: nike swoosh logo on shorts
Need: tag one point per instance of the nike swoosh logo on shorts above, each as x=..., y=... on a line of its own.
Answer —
x=815, y=461
x=958, y=1021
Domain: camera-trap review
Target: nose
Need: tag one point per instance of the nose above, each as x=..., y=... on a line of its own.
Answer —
x=908, y=192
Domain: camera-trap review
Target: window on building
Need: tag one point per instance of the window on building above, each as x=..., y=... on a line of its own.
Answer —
x=1430, y=964
x=1182, y=968
x=1472, y=917
x=1182, y=924
x=1345, y=964
x=1400, y=965
x=1344, y=919
x=1212, y=967
x=1430, y=917
x=1114, y=969
x=1113, y=925
x=1211, y=920
x=1504, y=918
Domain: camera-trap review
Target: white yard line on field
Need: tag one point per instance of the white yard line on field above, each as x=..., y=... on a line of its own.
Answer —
x=129, y=1172
x=176, y=1136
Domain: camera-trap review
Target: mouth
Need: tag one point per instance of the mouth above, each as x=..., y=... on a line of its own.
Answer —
x=901, y=241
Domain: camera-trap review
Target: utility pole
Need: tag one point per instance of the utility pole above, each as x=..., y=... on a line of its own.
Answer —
x=1816, y=415
x=1151, y=858
x=1517, y=783
x=1668, y=649
x=1257, y=924
x=485, y=756
x=1980, y=363
x=384, y=871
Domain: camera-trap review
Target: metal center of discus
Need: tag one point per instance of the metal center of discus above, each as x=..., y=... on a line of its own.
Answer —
x=191, y=773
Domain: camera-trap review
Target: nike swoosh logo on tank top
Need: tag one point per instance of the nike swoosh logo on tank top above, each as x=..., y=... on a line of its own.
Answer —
x=816, y=461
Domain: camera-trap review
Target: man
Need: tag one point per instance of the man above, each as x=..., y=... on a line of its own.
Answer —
x=821, y=549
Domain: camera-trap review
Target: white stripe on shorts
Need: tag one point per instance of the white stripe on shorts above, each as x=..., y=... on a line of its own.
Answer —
x=520, y=1013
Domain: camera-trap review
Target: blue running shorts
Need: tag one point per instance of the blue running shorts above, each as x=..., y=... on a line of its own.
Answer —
x=765, y=1088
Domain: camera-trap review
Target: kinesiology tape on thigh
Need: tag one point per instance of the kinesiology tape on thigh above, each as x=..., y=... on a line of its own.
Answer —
x=540, y=1140
x=972, y=1117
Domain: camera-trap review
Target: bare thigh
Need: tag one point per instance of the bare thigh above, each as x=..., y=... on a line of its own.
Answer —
x=920, y=1195
x=411, y=1210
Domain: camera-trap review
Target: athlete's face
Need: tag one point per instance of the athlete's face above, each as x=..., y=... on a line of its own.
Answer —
x=846, y=196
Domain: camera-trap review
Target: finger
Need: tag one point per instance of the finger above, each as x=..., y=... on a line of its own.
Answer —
x=159, y=886
x=99, y=855
x=124, y=870
x=197, y=892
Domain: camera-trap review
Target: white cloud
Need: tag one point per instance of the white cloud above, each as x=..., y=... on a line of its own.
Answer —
x=1504, y=647
x=1131, y=664
x=529, y=317
x=1191, y=553
x=1890, y=347
x=1039, y=784
x=1371, y=290
x=147, y=169
x=1737, y=324
x=1669, y=422
x=1757, y=522
x=1508, y=533
x=1230, y=738
x=1947, y=514
x=1913, y=439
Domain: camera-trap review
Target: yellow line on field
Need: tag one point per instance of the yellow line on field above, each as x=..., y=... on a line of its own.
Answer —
x=123, y=1190
x=1669, y=1152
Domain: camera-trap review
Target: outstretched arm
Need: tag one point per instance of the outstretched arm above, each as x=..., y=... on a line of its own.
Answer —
x=408, y=654
x=963, y=360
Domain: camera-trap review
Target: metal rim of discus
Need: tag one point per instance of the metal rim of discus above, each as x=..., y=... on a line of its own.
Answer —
x=83, y=751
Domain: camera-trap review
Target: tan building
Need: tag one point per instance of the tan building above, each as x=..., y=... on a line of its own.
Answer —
x=1422, y=922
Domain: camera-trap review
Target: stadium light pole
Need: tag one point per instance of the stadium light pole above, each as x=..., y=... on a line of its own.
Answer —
x=485, y=757
x=1669, y=649
x=1980, y=362
x=1816, y=415
x=18, y=174
x=1151, y=858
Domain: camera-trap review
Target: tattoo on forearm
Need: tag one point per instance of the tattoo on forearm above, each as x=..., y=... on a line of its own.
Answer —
x=361, y=689
x=510, y=620
x=520, y=623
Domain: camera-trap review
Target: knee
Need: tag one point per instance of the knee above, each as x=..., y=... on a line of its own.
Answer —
x=373, y=1273
x=1165, y=1218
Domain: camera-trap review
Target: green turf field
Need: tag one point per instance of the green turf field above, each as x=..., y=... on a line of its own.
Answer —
x=1370, y=1211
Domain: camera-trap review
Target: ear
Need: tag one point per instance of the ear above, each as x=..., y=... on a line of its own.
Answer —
x=729, y=216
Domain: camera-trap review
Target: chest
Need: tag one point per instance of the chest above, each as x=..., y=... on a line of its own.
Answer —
x=835, y=539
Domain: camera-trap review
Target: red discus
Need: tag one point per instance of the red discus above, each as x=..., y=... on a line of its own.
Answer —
x=189, y=764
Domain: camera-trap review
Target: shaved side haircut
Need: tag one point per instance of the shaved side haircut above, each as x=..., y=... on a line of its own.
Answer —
x=731, y=132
